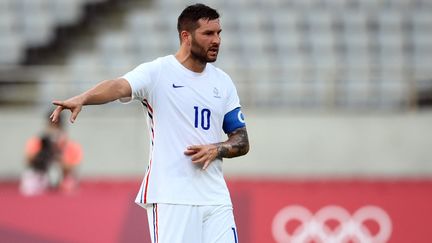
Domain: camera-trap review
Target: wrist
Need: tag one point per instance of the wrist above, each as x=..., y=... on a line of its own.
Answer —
x=222, y=150
x=82, y=99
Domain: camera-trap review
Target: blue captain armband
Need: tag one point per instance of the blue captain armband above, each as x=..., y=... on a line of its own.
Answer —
x=233, y=120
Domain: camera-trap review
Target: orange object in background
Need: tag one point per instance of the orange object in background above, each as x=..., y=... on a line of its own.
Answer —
x=71, y=152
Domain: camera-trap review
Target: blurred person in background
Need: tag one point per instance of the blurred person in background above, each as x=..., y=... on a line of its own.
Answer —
x=51, y=161
x=190, y=104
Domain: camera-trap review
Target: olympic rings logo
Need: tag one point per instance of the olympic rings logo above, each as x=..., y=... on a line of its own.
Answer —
x=316, y=227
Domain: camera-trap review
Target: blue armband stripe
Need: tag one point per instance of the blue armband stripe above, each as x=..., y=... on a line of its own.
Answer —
x=233, y=120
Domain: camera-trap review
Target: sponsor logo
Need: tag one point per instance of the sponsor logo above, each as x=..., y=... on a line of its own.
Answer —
x=177, y=86
x=331, y=224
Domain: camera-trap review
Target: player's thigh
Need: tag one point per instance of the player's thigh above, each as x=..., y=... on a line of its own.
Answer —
x=219, y=226
x=172, y=223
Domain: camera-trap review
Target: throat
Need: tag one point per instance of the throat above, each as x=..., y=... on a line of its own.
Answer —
x=192, y=63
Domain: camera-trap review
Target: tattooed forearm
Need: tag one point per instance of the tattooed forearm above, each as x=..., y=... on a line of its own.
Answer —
x=236, y=145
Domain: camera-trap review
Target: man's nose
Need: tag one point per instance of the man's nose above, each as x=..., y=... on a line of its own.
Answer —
x=217, y=39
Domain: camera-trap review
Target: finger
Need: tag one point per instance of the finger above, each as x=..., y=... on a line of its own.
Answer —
x=194, y=147
x=58, y=102
x=190, y=152
x=198, y=157
x=55, y=115
x=74, y=115
x=206, y=164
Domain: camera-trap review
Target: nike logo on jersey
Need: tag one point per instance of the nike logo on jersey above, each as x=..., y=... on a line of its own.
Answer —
x=177, y=86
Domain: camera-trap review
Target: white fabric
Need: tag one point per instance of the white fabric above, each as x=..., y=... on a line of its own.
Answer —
x=179, y=103
x=33, y=182
x=171, y=223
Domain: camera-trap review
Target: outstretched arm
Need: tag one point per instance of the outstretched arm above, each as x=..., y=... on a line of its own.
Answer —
x=236, y=145
x=104, y=92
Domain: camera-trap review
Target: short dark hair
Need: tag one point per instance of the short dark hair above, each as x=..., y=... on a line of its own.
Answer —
x=188, y=19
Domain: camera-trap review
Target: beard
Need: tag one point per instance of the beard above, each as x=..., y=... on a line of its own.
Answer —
x=199, y=53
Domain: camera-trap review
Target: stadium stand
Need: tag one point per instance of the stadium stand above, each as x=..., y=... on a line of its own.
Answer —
x=332, y=91
x=319, y=54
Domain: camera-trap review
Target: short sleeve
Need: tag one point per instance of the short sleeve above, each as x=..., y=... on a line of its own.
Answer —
x=142, y=79
x=72, y=153
x=233, y=100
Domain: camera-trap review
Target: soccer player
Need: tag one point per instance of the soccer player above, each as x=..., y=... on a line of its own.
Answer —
x=190, y=104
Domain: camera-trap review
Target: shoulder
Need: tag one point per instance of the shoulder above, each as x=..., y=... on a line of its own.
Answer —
x=152, y=64
x=150, y=68
x=72, y=153
x=163, y=60
x=33, y=145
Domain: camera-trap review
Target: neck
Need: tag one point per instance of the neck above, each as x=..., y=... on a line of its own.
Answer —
x=185, y=57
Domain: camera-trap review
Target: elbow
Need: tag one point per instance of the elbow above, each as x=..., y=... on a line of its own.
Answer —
x=245, y=149
x=120, y=88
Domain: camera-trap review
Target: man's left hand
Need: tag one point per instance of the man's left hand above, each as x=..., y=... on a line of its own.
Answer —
x=202, y=154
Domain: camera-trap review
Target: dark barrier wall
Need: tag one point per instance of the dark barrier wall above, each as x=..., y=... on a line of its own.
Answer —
x=266, y=211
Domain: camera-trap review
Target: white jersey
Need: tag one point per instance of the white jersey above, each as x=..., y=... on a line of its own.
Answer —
x=184, y=108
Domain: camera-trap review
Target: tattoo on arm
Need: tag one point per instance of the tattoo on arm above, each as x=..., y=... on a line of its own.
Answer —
x=236, y=145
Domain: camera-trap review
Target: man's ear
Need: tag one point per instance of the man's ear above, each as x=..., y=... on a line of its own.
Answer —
x=186, y=37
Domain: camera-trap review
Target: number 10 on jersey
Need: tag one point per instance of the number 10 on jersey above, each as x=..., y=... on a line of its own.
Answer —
x=202, y=118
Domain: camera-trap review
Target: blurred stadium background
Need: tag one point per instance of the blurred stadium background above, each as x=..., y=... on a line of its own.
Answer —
x=337, y=95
